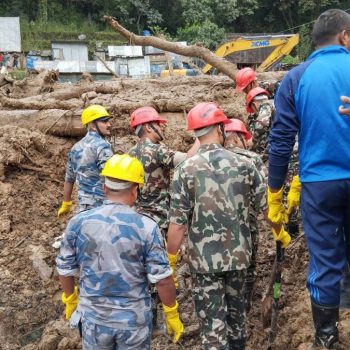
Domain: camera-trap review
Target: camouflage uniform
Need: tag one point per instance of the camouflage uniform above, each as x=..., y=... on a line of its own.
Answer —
x=117, y=252
x=154, y=199
x=259, y=125
x=85, y=161
x=212, y=193
x=271, y=87
x=253, y=222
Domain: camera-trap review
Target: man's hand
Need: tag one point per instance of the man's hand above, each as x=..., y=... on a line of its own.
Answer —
x=173, y=322
x=293, y=197
x=282, y=236
x=342, y=109
x=71, y=302
x=172, y=262
x=64, y=208
x=276, y=213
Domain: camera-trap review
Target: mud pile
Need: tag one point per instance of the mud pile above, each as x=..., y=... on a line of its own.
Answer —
x=32, y=167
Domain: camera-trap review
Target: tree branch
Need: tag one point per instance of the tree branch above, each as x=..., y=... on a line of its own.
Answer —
x=205, y=54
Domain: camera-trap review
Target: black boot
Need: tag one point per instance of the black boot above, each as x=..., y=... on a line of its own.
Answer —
x=326, y=320
x=237, y=344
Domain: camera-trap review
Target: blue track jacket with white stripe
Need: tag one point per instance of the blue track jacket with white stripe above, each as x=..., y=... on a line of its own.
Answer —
x=307, y=104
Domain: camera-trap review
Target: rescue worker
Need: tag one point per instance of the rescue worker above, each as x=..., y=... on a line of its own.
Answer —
x=246, y=80
x=116, y=252
x=307, y=104
x=158, y=160
x=237, y=136
x=261, y=111
x=86, y=160
x=212, y=193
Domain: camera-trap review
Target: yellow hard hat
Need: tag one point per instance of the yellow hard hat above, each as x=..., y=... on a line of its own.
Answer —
x=92, y=113
x=124, y=167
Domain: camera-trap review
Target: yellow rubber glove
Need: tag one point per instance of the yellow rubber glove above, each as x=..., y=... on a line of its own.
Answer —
x=173, y=322
x=277, y=213
x=71, y=302
x=293, y=197
x=172, y=262
x=64, y=208
x=282, y=236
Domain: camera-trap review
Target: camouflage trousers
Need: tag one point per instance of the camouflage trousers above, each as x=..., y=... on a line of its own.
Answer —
x=220, y=306
x=97, y=337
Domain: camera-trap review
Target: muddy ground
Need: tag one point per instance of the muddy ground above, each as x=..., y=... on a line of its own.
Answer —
x=32, y=166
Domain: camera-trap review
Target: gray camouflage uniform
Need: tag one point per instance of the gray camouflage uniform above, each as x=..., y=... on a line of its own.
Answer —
x=253, y=221
x=117, y=252
x=85, y=161
x=212, y=193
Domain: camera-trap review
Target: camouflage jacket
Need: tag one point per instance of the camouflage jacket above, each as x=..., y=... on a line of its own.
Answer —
x=157, y=160
x=212, y=193
x=261, y=168
x=259, y=125
x=117, y=252
x=271, y=87
x=85, y=161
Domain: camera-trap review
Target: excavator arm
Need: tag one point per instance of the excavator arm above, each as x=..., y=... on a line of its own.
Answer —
x=283, y=44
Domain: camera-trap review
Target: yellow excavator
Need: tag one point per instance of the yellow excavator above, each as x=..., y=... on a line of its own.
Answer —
x=260, y=51
x=281, y=46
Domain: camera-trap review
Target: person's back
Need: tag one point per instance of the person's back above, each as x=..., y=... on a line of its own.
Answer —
x=157, y=161
x=324, y=134
x=220, y=188
x=112, y=252
x=85, y=162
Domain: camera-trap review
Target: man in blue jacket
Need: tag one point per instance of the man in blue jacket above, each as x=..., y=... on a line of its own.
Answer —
x=307, y=104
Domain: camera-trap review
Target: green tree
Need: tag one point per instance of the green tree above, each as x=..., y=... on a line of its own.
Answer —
x=207, y=33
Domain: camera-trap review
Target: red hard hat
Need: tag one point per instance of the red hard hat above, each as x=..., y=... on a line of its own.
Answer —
x=237, y=125
x=144, y=115
x=244, y=77
x=251, y=95
x=205, y=114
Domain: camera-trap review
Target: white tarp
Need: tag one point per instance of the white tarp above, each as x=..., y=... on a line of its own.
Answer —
x=10, y=34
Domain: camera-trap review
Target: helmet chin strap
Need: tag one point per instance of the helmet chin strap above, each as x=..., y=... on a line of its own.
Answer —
x=241, y=139
x=161, y=138
x=98, y=129
x=222, y=129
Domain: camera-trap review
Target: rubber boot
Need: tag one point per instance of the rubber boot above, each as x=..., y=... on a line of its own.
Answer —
x=345, y=289
x=326, y=320
x=237, y=344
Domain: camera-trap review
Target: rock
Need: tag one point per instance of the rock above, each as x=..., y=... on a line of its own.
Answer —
x=37, y=257
x=49, y=342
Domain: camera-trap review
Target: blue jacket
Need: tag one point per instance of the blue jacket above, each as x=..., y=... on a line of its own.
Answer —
x=307, y=104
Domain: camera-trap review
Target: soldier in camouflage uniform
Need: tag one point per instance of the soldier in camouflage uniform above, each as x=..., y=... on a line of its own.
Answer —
x=117, y=252
x=212, y=194
x=261, y=111
x=236, y=138
x=85, y=161
x=246, y=80
x=158, y=160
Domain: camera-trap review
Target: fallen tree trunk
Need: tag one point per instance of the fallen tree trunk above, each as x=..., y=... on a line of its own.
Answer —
x=40, y=105
x=201, y=52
